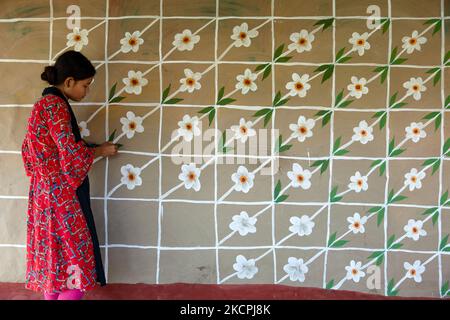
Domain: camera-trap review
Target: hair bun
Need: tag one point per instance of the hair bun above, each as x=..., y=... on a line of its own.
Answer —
x=49, y=75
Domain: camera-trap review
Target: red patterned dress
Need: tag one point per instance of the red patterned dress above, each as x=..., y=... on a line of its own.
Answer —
x=59, y=246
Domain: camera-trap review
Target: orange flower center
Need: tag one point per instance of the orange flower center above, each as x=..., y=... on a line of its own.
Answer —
x=360, y=183
x=302, y=41
x=134, y=82
x=412, y=41
x=358, y=87
x=243, y=179
x=413, y=272
x=416, y=131
x=302, y=130
x=415, y=230
x=413, y=179
x=356, y=225
x=77, y=38
x=300, y=178
x=131, y=176
x=191, y=176
x=132, y=125
x=363, y=132
x=132, y=42
x=247, y=82
x=360, y=42
x=355, y=272
x=415, y=87
x=188, y=126
x=299, y=86
x=186, y=39
x=243, y=129
x=242, y=35
x=190, y=81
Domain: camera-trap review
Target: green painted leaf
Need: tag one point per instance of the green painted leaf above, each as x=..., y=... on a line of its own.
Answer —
x=116, y=99
x=446, y=57
x=382, y=168
x=261, y=66
x=383, y=121
x=165, y=93
x=321, y=112
x=437, y=122
x=396, y=152
x=393, y=55
x=282, y=102
x=375, y=254
x=431, y=115
x=391, y=145
x=391, y=194
x=283, y=59
x=278, y=51
x=429, y=211
x=436, y=78
x=267, y=118
x=444, y=198
x=435, y=217
x=393, y=99
x=446, y=146
x=380, y=216
x=386, y=25
x=396, y=246
x=339, y=54
x=345, y=103
x=267, y=72
x=112, y=91
x=374, y=209
x=399, y=105
x=262, y=112
x=336, y=145
x=281, y=198
x=221, y=93
x=431, y=21
x=341, y=152
x=211, y=116
x=399, y=198
x=173, y=101
x=285, y=148
x=322, y=68
x=444, y=289
x=226, y=101
x=206, y=110
x=384, y=75
x=326, y=23
x=379, y=260
x=338, y=98
x=430, y=161
x=399, y=60
x=119, y=145
x=111, y=137
x=331, y=239
x=436, y=166
x=390, y=241
x=277, y=189
x=330, y=284
x=344, y=59
x=375, y=163
x=328, y=73
x=326, y=119
x=324, y=166
x=437, y=27
x=339, y=243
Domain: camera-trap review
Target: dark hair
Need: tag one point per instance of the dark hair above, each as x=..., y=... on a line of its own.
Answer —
x=69, y=64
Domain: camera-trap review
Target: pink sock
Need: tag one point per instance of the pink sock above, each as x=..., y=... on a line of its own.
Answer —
x=73, y=294
x=51, y=296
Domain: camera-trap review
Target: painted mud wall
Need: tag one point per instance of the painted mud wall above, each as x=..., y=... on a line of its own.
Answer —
x=333, y=171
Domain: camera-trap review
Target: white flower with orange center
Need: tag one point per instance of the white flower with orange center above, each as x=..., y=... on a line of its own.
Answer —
x=131, y=42
x=130, y=176
x=185, y=40
x=414, y=271
x=414, y=229
x=357, y=223
x=243, y=130
x=302, y=226
x=302, y=129
x=245, y=268
x=131, y=124
x=363, y=133
x=301, y=41
x=84, y=131
x=296, y=269
x=246, y=81
x=413, y=43
x=359, y=42
x=299, y=177
x=243, y=180
x=358, y=87
x=299, y=86
x=354, y=271
x=134, y=82
x=190, y=176
x=188, y=127
x=415, y=87
x=241, y=35
x=243, y=223
x=190, y=83
x=77, y=38
x=358, y=182
x=413, y=179
x=415, y=131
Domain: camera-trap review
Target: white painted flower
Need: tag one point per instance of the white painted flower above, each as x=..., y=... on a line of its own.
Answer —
x=131, y=42
x=243, y=179
x=190, y=83
x=245, y=268
x=299, y=86
x=77, y=38
x=413, y=43
x=243, y=223
x=359, y=42
x=415, y=87
x=190, y=176
x=130, y=176
x=303, y=128
x=358, y=182
x=414, y=271
x=246, y=81
x=413, y=179
x=357, y=223
x=415, y=131
x=299, y=177
x=414, y=229
x=185, y=40
x=243, y=130
x=242, y=36
x=188, y=127
x=301, y=41
x=354, y=271
x=84, y=131
x=134, y=82
x=302, y=226
x=363, y=133
x=131, y=124
x=296, y=269
x=358, y=87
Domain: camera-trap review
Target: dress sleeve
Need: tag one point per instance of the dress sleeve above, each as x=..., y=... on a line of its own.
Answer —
x=26, y=158
x=75, y=157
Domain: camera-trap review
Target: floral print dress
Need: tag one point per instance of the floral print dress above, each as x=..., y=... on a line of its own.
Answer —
x=59, y=246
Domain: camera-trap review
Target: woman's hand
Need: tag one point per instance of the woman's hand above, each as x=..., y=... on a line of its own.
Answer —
x=106, y=149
